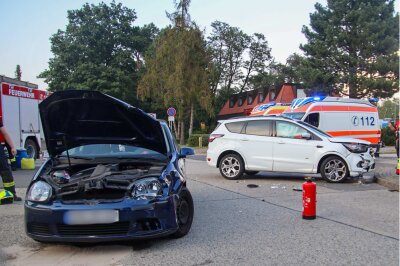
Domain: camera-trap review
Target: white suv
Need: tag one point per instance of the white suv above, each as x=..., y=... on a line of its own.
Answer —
x=279, y=144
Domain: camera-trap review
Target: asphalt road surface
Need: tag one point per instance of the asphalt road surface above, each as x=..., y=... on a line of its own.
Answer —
x=357, y=224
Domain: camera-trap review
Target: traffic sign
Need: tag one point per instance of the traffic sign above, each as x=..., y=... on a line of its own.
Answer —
x=171, y=111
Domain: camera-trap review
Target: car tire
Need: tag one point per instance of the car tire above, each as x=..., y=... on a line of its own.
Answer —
x=31, y=148
x=251, y=172
x=231, y=166
x=334, y=169
x=184, y=212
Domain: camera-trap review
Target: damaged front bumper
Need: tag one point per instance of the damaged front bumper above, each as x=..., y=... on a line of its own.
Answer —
x=360, y=163
x=137, y=219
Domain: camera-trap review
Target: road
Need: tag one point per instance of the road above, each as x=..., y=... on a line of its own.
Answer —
x=357, y=224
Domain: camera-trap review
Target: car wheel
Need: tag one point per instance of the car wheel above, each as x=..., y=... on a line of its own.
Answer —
x=231, y=166
x=31, y=148
x=184, y=213
x=334, y=169
x=251, y=172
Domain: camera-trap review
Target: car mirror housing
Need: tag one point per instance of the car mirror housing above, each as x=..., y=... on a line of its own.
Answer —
x=185, y=152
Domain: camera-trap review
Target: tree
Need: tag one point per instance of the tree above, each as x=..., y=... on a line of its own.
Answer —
x=389, y=109
x=176, y=69
x=100, y=49
x=236, y=59
x=354, y=44
x=18, y=72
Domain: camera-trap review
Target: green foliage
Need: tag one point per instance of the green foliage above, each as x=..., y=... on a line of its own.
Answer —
x=389, y=109
x=176, y=71
x=354, y=44
x=388, y=137
x=193, y=140
x=100, y=49
x=18, y=72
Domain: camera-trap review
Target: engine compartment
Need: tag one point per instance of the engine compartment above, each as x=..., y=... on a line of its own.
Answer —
x=94, y=181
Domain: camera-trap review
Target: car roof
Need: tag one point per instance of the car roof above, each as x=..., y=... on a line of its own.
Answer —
x=260, y=117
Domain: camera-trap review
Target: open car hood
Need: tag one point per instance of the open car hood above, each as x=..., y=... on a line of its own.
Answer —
x=75, y=118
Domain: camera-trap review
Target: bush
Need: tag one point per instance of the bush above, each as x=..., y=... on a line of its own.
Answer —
x=388, y=137
x=193, y=140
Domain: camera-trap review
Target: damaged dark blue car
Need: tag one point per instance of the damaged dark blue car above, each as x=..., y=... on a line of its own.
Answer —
x=114, y=173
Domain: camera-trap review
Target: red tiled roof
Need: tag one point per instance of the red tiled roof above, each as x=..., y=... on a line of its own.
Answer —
x=285, y=95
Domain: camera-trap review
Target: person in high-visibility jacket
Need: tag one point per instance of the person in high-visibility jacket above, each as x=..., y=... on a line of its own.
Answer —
x=5, y=170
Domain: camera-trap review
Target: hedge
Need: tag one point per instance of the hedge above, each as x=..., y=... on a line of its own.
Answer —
x=193, y=140
x=388, y=137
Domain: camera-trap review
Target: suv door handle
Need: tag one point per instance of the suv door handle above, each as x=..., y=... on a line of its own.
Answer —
x=244, y=139
x=281, y=142
x=320, y=146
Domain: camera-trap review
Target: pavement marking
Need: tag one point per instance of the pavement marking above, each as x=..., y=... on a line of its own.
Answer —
x=291, y=209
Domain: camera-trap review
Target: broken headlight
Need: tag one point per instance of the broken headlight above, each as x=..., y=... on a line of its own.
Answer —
x=356, y=147
x=40, y=191
x=147, y=188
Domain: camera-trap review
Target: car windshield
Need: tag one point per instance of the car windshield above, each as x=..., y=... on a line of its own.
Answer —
x=112, y=150
x=297, y=116
x=315, y=129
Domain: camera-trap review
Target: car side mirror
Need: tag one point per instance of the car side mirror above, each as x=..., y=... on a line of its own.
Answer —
x=306, y=135
x=185, y=152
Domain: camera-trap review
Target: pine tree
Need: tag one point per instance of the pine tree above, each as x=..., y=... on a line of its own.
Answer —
x=354, y=44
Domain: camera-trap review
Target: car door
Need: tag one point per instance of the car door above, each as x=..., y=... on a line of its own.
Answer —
x=291, y=152
x=256, y=145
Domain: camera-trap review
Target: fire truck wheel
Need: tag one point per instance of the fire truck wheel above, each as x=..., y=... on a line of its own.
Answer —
x=31, y=148
x=334, y=170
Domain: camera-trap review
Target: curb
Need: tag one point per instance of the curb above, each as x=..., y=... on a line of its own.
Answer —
x=389, y=183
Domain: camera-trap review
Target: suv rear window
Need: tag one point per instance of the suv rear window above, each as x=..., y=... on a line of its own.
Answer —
x=235, y=127
x=259, y=128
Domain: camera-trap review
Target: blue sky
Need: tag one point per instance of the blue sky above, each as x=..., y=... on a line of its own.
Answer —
x=26, y=25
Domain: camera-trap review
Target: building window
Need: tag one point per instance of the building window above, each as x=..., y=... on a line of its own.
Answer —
x=231, y=102
x=250, y=99
x=240, y=101
x=261, y=97
x=272, y=97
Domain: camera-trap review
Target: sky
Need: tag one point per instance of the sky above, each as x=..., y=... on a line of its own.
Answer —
x=27, y=25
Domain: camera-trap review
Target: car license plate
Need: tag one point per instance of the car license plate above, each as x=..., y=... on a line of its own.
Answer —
x=91, y=217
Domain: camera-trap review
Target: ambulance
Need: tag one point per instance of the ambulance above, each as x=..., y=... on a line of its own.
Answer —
x=271, y=108
x=19, y=112
x=339, y=117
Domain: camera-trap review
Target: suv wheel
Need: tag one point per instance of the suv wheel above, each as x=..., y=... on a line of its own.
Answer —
x=334, y=169
x=231, y=166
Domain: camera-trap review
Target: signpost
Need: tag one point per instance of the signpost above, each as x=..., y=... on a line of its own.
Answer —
x=171, y=112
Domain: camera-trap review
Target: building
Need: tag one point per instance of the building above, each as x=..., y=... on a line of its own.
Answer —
x=241, y=104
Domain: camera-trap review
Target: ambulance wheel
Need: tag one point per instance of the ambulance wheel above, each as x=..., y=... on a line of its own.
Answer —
x=231, y=166
x=31, y=148
x=334, y=169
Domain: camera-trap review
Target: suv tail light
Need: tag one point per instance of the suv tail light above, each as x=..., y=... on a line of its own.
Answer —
x=214, y=136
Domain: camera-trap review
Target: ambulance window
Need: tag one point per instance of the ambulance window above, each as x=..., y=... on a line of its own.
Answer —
x=313, y=119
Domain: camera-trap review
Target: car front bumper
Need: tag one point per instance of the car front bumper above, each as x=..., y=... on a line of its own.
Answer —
x=138, y=219
x=360, y=163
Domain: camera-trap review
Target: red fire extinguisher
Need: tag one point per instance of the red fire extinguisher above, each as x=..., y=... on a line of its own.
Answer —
x=309, y=199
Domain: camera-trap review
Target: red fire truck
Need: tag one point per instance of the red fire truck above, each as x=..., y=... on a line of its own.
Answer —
x=19, y=111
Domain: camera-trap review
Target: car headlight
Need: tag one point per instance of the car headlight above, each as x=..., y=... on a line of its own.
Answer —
x=147, y=188
x=40, y=191
x=356, y=147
